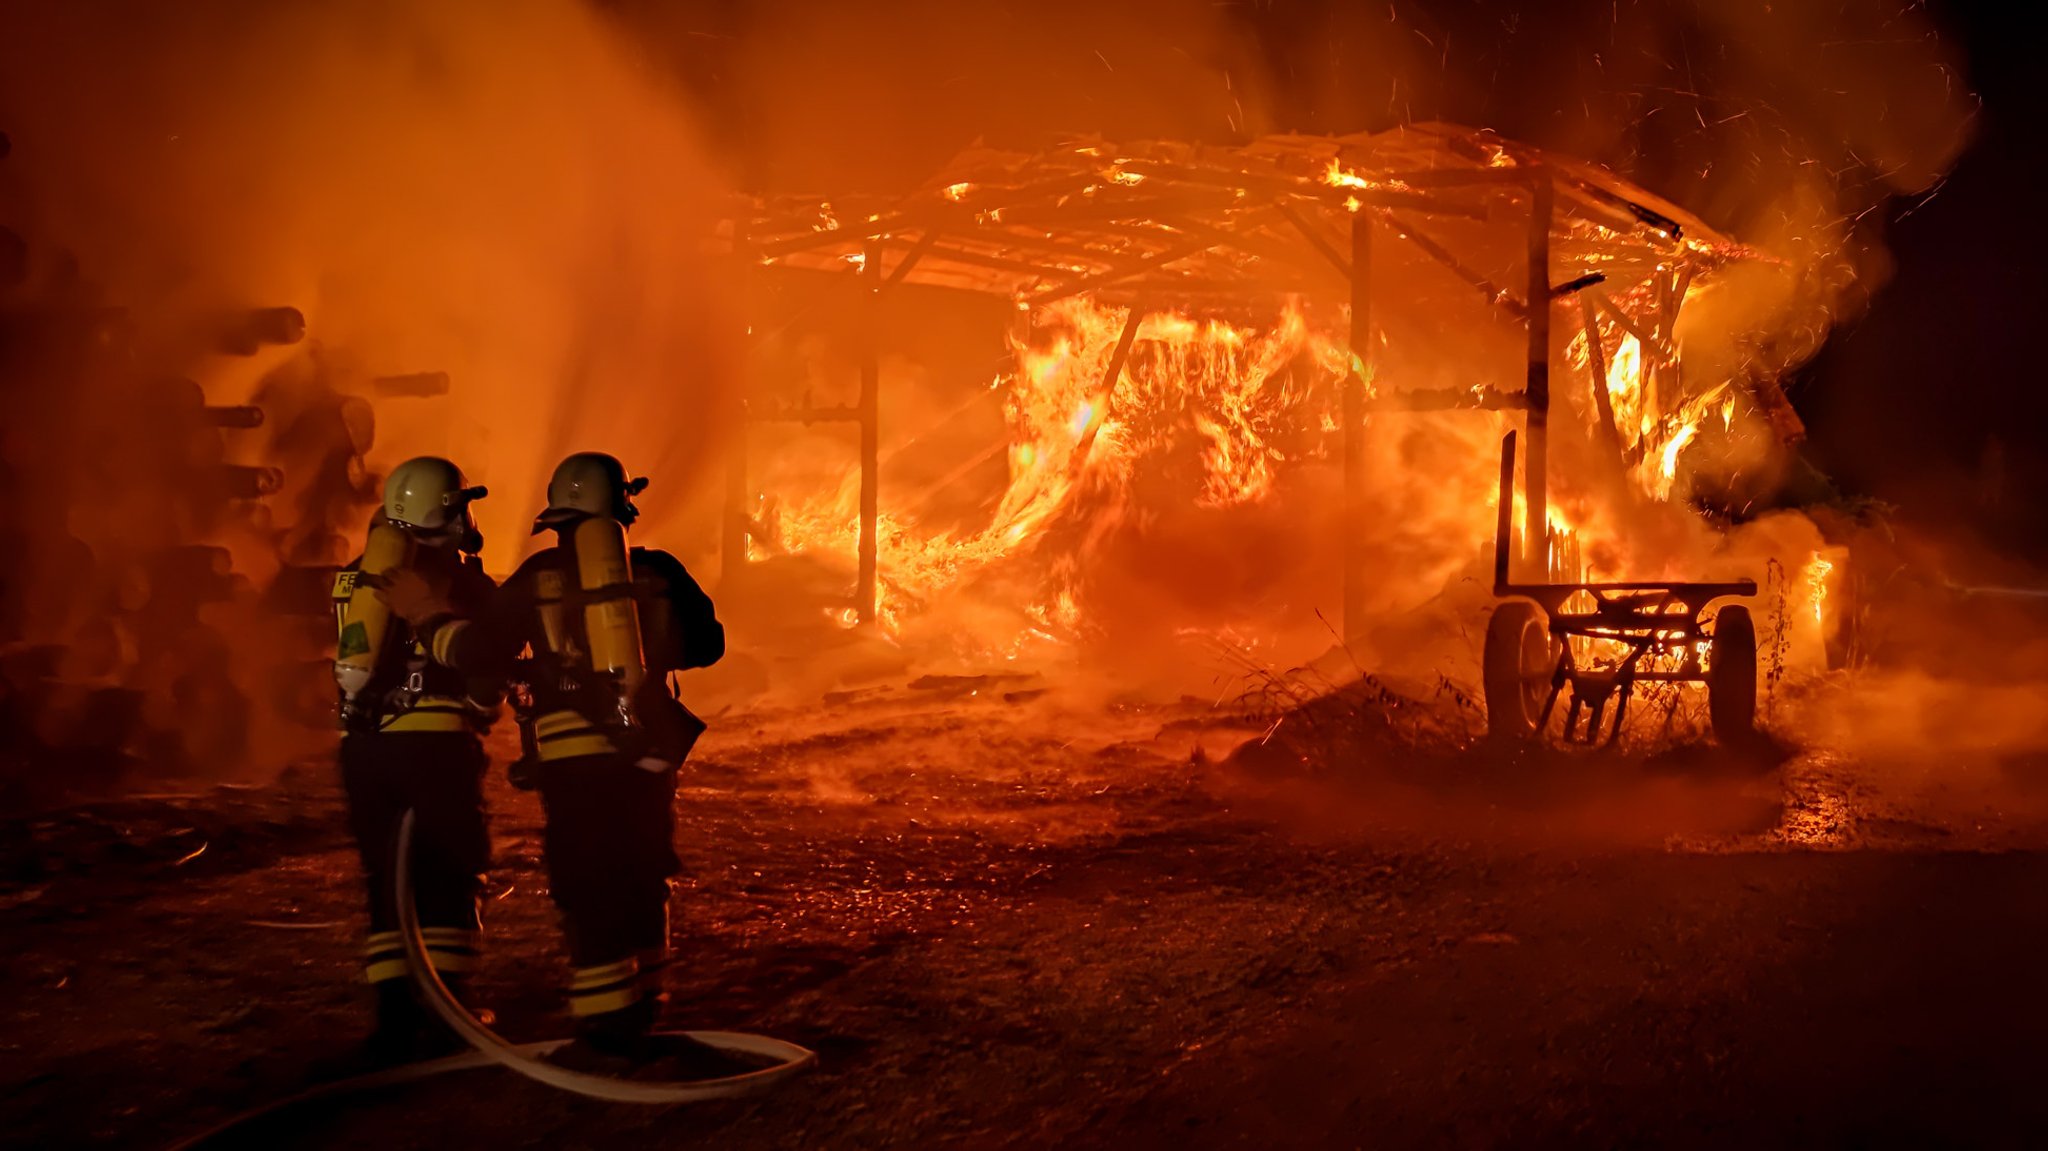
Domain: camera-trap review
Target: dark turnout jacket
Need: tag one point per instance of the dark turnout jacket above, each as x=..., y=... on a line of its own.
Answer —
x=573, y=711
x=408, y=691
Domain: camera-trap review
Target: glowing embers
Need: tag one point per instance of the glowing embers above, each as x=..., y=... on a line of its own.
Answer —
x=1338, y=177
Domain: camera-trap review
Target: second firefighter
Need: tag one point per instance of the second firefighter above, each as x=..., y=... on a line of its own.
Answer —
x=605, y=625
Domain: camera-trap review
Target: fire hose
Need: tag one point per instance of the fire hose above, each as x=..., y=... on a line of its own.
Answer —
x=525, y=1059
x=791, y=1059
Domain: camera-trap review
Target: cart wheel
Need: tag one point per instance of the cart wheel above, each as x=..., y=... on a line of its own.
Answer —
x=1516, y=670
x=1731, y=676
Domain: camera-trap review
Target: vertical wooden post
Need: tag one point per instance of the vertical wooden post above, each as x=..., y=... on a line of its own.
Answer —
x=732, y=539
x=1355, y=383
x=1536, y=526
x=870, y=423
x=1653, y=388
x=1596, y=367
x=1670, y=381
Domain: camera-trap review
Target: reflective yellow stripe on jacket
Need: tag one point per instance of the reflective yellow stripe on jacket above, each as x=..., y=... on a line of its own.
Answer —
x=431, y=713
x=566, y=734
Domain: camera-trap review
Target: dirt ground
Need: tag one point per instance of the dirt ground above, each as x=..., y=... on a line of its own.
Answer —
x=1023, y=922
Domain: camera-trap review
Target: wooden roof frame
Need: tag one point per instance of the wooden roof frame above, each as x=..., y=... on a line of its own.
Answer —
x=1202, y=227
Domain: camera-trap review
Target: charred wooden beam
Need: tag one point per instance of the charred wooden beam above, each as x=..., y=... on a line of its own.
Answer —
x=1356, y=381
x=1494, y=293
x=1536, y=528
x=1240, y=240
x=1454, y=177
x=1328, y=195
x=1314, y=237
x=1596, y=367
x=735, y=518
x=870, y=428
x=1647, y=217
x=1105, y=393
x=1127, y=271
x=911, y=257
x=1448, y=400
x=1648, y=342
x=1577, y=284
x=1151, y=208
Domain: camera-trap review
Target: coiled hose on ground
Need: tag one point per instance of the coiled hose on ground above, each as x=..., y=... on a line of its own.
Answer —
x=524, y=1059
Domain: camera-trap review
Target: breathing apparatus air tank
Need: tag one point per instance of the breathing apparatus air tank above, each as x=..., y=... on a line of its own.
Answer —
x=611, y=617
x=365, y=619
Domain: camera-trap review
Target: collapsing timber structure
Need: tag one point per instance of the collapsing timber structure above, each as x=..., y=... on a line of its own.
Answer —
x=1353, y=231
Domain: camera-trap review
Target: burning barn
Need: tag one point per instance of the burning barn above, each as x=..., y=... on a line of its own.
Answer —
x=1334, y=330
x=1014, y=644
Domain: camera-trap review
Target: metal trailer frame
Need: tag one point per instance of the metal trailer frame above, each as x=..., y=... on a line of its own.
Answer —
x=1648, y=618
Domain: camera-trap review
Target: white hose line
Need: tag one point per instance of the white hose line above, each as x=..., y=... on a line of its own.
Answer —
x=794, y=1060
x=389, y=1077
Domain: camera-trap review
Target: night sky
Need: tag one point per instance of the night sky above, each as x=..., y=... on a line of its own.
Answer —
x=1902, y=402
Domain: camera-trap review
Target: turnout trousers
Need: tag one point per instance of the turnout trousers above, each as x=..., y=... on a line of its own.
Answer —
x=610, y=849
x=439, y=775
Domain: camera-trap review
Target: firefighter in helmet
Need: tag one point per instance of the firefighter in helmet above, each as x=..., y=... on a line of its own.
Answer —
x=602, y=735
x=412, y=739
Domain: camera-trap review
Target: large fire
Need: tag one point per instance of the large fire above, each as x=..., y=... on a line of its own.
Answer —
x=1222, y=409
x=1242, y=402
x=1155, y=462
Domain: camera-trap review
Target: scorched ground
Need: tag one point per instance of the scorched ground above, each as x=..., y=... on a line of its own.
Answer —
x=1008, y=920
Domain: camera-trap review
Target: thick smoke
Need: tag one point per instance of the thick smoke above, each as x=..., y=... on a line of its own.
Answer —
x=503, y=193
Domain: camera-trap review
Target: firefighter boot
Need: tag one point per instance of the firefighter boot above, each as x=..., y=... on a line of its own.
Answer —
x=403, y=1024
x=400, y=1028
x=434, y=1038
x=623, y=1033
x=623, y=1043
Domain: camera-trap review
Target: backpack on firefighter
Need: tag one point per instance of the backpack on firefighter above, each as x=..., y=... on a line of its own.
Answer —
x=426, y=504
x=586, y=688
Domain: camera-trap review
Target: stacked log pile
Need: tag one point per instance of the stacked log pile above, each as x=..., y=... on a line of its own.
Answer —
x=165, y=560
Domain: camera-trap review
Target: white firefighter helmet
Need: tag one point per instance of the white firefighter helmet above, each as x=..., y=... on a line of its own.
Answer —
x=590, y=484
x=427, y=497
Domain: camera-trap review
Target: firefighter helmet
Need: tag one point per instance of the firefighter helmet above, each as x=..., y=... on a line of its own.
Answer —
x=426, y=496
x=590, y=484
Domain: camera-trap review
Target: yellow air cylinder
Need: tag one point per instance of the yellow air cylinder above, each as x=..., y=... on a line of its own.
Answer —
x=365, y=617
x=611, y=625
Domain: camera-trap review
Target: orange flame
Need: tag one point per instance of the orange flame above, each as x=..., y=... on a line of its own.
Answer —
x=1817, y=571
x=1073, y=440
